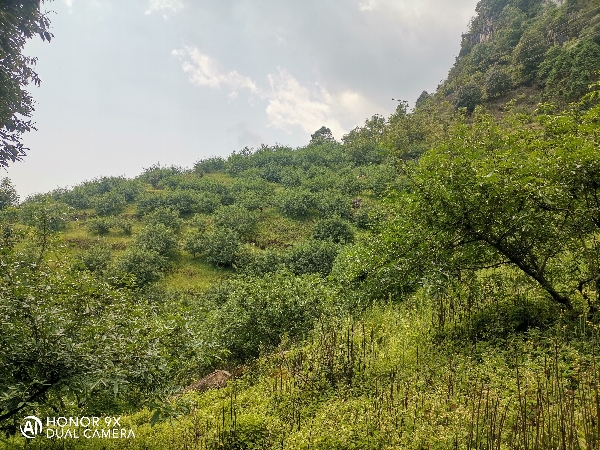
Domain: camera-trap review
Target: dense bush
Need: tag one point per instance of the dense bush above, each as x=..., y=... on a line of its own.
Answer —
x=96, y=259
x=146, y=266
x=109, y=204
x=333, y=204
x=333, y=229
x=468, y=96
x=209, y=165
x=164, y=216
x=100, y=225
x=312, y=257
x=497, y=82
x=295, y=202
x=236, y=218
x=156, y=237
x=8, y=194
x=258, y=311
x=218, y=247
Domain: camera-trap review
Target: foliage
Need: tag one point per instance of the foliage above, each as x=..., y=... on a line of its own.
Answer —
x=468, y=96
x=164, y=216
x=8, y=194
x=144, y=264
x=257, y=311
x=157, y=238
x=312, y=257
x=321, y=136
x=100, y=225
x=238, y=219
x=19, y=21
x=333, y=229
x=97, y=258
x=497, y=82
x=109, y=204
x=295, y=202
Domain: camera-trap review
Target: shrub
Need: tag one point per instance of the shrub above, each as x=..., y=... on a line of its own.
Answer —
x=109, y=204
x=312, y=257
x=157, y=238
x=334, y=229
x=497, y=82
x=209, y=165
x=238, y=219
x=296, y=202
x=8, y=194
x=220, y=247
x=164, y=216
x=125, y=225
x=145, y=265
x=333, y=204
x=45, y=215
x=97, y=258
x=100, y=225
x=468, y=96
x=257, y=311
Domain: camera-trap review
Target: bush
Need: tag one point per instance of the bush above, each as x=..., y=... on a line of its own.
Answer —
x=100, y=225
x=258, y=311
x=333, y=204
x=497, y=82
x=312, y=257
x=295, y=203
x=96, y=259
x=220, y=247
x=209, y=165
x=109, y=204
x=333, y=229
x=468, y=96
x=145, y=265
x=125, y=225
x=164, y=216
x=157, y=238
x=8, y=194
x=238, y=219
x=45, y=215
x=259, y=262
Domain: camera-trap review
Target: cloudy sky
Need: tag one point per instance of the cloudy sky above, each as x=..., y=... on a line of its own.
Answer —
x=127, y=84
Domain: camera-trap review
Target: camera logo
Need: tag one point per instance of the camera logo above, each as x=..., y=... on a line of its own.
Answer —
x=33, y=427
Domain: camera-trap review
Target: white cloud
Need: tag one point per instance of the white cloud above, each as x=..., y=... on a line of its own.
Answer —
x=290, y=103
x=159, y=5
x=206, y=71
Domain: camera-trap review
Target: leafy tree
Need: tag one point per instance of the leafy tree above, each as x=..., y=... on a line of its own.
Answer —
x=497, y=82
x=109, y=204
x=219, y=247
x=145, y=265
x=19, y=21
x=364, y=145
x=8, y=194
x=295, y=202
x=96, y=259
x=322, y=136
x=468, y=96
x=237, y=219
x=334, y=229
x=157, y=238
x=312, y=257
x=100, y=225
x=164, y=216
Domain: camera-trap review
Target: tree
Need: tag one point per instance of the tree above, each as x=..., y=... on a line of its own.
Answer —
x=19, y=20
x=8, y=194
x=322, y=136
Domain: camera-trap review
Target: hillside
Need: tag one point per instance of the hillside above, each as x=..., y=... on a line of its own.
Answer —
x=432, y=281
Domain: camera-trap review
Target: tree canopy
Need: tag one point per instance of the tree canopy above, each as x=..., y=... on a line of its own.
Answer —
x=19, y=20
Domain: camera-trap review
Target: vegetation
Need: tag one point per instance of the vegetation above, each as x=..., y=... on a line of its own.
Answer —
x=431, y=281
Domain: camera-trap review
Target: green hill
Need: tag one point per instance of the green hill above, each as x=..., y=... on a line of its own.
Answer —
x=432, y=281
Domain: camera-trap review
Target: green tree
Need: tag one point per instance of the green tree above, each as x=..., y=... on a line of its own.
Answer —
x=322, y=136
x=8, y=194
x=20, y=20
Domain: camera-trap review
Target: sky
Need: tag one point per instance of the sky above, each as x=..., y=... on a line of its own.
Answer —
x=129, y=84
